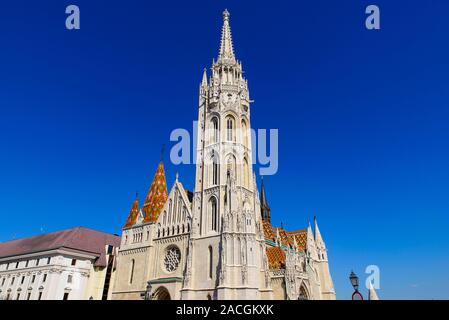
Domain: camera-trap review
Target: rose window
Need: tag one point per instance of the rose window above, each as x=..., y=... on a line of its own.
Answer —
x=172, y=259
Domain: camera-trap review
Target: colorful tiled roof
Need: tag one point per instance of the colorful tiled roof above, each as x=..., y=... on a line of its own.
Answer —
x=156, y=197
x=276, y=258
x=268, y=230
x=133, y=214
x=300, y=237
x=287, y=237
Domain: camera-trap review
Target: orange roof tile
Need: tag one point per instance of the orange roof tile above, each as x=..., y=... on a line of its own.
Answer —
x=276, y=257
x=133, y=214
x=156, y=197
x=287, y=237
x=300, y=237
x=268, y=230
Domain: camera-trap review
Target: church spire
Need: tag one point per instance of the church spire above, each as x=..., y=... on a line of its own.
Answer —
x=318, y=238
x=133, y=214
x=204, y=80
x=264, y=207
x=157, y=195
x=226, y=48
x=372, y=294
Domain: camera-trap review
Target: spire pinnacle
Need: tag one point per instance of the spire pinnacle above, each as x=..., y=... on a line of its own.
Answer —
x=264, y=207
x=318, y=238
x=157, y=195
x=133, y=214
x=372, y=294
x=226, y=47
x=204, y=80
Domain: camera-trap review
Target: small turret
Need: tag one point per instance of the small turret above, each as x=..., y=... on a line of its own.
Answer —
x=372, y=294
x=264, y=207
x=133, y=214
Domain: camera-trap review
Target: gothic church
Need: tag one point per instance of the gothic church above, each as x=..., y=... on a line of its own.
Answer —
x=217, y=242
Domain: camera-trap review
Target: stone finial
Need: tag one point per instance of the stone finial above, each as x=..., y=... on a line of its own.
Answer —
x=226, y=15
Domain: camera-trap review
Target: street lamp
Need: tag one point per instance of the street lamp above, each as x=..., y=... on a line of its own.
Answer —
x=355, y=284
x=354, y=280
x=148, y=292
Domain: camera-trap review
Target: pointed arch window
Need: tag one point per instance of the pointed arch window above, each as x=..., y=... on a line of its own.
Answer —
x=214, y=214
x=210, y=262
x=215, y=168
x=244, y=133
x=231, y=164
x=214, y=130
x=131, y=275
x=180, y=204
x=230, y=128
x=169, y=211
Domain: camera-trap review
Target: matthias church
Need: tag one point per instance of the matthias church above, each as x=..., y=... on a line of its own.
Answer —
x=217, y=241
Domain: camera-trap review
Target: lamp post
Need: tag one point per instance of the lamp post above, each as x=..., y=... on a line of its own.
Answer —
x=355, y=284
x=148, y=292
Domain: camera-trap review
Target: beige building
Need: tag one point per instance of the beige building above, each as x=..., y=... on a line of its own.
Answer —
x=72, y=264
x=217, y=242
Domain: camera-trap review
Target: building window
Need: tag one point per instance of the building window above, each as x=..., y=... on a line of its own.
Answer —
x=37, y=262
x=213, y=212
x=169, y=211
x=69, y=278
x=45, y=278
x=48, y=260
x=230, y=128
x=39, y=296
x=210, y=262
x=215, y=168
x=18, y=296
x=245, y=133
x=3, y=281
x=17, y=265
x=73, y=262
x=131, y=275
x=26, y=264
x=172, y=258
x=66, y=296
x=8, y=296
x=214, y=130
x=29, y=296
x=23, y=280
x=33, y=278
x=12, y=280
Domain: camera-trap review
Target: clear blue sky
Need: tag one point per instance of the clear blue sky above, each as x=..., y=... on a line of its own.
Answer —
x=363, y=119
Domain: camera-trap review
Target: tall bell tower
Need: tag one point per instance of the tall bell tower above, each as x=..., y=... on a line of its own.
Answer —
x=226, y=257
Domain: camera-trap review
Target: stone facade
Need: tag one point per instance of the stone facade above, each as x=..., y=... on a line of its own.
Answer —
x=218, y=242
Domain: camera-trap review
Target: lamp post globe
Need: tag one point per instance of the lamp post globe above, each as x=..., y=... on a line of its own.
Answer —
x=354, y=280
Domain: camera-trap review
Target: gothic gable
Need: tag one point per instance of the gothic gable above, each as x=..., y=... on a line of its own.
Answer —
x=175, y=216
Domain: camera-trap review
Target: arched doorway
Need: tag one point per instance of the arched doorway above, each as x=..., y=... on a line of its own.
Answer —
x=303, y=295
x=161, y=294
